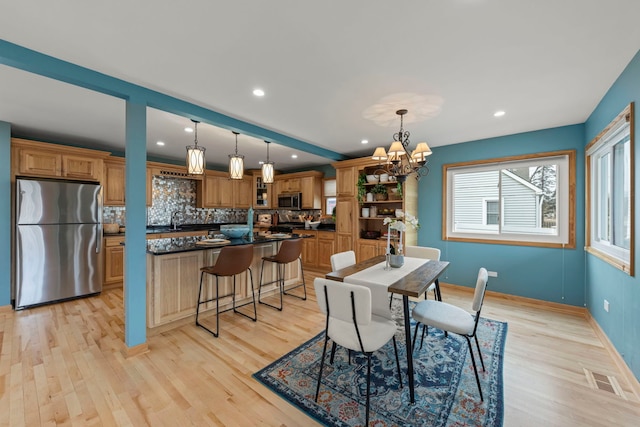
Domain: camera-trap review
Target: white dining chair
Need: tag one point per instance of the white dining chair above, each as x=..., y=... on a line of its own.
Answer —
x=451, y=318
x=424, y=252
x=351, y=324
x=342, y=260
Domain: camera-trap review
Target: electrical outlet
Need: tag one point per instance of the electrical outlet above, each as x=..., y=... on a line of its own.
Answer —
x=606, y=306
x=492, y=273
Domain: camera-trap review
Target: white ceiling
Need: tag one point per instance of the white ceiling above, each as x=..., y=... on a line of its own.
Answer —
x=331, y=70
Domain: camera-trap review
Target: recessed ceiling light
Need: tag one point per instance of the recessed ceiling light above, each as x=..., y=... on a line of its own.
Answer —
x=160, y=143
x=294, y=156
x=498, y=113
x=258, y=92
x=261, y=162
x=364, y=141
x=189, y=130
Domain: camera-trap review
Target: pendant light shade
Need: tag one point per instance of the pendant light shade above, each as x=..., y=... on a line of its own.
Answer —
x=236, y=163
x=267, y=169
x=195, y=156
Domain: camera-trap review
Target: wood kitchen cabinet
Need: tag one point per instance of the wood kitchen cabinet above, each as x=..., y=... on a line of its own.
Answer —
x=308, y=183
x=326, y=248
x=113, y=261
x=310, y=249
x=242, y=193
x=39, y=159
x=215, y=191
x=345, y=227
x=262, y=193
x=113, y=184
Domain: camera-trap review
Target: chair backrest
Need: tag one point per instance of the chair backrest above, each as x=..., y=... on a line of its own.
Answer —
x=233, y=260
x=422, y=252
x=481, y=287
x=339, y=300
x=342, y=260
x=289, y=251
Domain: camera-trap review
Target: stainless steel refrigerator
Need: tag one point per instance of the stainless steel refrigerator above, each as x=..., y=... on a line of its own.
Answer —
x=58, y=239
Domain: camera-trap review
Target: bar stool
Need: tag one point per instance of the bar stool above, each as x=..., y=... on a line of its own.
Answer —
x=289, y=251
x=232, y=261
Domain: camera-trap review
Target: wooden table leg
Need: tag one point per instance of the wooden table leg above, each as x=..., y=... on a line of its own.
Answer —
x=407, y=334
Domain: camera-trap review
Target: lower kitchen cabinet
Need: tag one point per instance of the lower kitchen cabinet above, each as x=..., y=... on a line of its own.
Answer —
x=113, y=261
x=370, y=248
x=326, y=248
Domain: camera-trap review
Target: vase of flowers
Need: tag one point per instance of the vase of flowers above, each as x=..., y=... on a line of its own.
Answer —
x=395, y=259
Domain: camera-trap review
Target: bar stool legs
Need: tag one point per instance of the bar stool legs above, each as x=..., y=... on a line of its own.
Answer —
x=217, y=300
x=290, y=251
x=280, y=286
x=232, y=261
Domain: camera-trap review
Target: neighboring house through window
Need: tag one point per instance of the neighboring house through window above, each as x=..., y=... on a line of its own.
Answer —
x=610, y=210
x=523, y=200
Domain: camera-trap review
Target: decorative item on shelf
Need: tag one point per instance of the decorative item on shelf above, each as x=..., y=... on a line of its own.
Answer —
x=195, y=155
x=365, y=212
x=236, y=162
x=267, y=169
x=362, y=190
x=399, y=163
x=399, y=225
x=370, y=234
x=380, y=191
x=373, y=179
x=369, y=197
x=373, y=211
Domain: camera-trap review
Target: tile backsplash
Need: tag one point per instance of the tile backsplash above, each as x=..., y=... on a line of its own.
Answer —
x=177, y=195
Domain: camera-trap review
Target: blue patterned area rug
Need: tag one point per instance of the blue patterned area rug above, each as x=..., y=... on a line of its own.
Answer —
x=446, y=391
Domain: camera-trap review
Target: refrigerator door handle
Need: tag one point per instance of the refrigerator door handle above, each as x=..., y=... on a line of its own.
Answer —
x=99, y=224
x=99, y=237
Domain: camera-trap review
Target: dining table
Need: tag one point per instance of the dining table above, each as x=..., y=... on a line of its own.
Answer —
x=412, y=279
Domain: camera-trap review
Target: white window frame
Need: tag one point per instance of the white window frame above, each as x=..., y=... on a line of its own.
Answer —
x=618, y=130
x=485, y=211
x=565, y=198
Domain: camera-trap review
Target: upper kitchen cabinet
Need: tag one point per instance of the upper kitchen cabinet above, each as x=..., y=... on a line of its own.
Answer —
x=39, y=159
x=346, y=181
x=307, y=183
x=262, y=193
x=242, y=193
x=113, y=182
x=218, y=191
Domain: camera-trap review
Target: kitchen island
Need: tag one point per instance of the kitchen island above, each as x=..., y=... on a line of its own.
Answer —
x=173, y=277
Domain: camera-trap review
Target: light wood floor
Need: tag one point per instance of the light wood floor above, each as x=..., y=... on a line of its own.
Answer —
x=62, y=365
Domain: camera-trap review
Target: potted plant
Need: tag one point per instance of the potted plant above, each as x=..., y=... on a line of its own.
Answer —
x=362, y=190
x=380, y=191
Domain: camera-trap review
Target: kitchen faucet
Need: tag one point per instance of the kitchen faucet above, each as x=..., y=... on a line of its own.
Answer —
x=174, y=224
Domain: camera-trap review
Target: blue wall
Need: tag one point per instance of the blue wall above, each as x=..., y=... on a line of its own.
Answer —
x=548, y=274
x=622, y=322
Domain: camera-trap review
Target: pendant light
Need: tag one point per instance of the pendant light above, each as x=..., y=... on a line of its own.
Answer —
x=195, y=155
x=236, y=162
x=267, y=169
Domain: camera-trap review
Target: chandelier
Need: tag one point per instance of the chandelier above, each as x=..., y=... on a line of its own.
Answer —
x=195, y=156
x=236, y=162
x=399, y=163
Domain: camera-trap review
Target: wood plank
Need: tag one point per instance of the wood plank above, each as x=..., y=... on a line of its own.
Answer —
x=63, y=364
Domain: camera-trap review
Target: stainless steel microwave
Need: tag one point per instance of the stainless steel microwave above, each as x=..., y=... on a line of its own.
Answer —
x=291, y=201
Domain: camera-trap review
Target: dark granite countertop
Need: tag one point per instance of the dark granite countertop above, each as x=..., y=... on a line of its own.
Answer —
x=186, y=244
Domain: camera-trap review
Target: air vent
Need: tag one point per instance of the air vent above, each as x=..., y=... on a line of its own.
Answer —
x=604, y=382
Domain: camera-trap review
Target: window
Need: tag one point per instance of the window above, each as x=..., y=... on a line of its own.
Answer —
x=492, y=212
x=609, y=199
x=329, y=196
x=523, y=200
